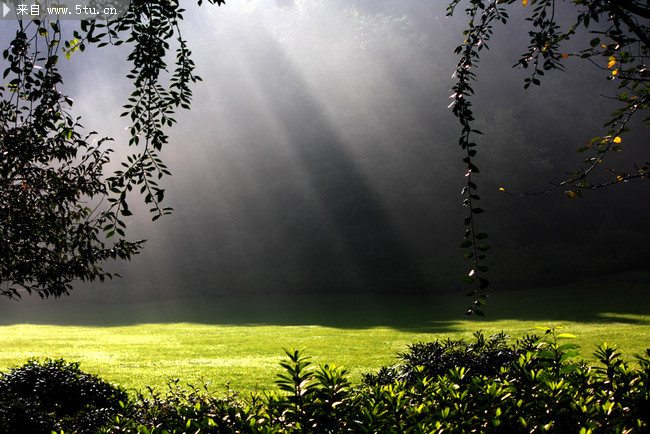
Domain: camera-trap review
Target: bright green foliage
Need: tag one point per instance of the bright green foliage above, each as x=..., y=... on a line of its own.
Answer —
x=542, y=389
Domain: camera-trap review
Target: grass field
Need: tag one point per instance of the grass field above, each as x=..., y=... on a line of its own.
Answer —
x=241, y=341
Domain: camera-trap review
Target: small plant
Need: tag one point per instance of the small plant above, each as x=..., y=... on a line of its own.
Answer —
x=316, y=400
x=552, y=355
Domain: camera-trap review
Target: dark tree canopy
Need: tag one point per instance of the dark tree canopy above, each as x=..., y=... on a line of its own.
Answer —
x=61, y=215
x=618, y=43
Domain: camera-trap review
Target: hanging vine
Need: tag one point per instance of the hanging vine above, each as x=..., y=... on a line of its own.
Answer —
x=621, y=50
x=477, y=35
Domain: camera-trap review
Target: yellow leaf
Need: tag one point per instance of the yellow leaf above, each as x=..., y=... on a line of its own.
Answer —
x=566, y=336
x=564, y=56
x=525, y=2
x=617, y=139
x=571, y=194
x=501, y=189
x=612, y=62
x=614, y=72
x=619, y=178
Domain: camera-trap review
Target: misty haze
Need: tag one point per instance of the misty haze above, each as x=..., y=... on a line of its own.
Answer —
x=320, y=157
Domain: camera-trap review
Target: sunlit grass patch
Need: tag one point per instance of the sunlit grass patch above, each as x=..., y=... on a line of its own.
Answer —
x=360, y=333
x=247, y=356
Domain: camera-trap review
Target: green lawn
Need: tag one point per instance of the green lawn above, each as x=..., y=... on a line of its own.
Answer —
x=229, y=339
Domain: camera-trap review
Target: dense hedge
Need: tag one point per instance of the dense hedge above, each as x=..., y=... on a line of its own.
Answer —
x=488, y=385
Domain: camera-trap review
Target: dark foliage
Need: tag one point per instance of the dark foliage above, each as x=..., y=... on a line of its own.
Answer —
x=619, y=45
x=51, y=178
x=58, y=209
x=39, y=397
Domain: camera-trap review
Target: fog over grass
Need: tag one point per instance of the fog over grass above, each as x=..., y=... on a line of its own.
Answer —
x=320, y=156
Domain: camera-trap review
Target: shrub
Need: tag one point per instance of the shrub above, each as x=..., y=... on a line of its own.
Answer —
x=183, y=411
x=544, y=390
x=431, y=359
x=40, y=397
x=310, y=400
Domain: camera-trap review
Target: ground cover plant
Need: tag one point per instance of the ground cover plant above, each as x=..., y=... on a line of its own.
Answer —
x=536, y=385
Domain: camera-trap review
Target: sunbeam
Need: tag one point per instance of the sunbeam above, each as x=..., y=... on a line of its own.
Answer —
x=319, y=156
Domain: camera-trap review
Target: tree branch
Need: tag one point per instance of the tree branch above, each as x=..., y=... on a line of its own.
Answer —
x=635, y=7
x=639, y=31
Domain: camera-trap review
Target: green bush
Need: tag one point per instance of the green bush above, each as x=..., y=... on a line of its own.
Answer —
x=309, y=400
x=40, y=397
x=532, y=386
x=484, y=356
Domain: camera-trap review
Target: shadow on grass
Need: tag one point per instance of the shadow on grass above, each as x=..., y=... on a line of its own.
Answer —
x=424, y=314
x=595, y=302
